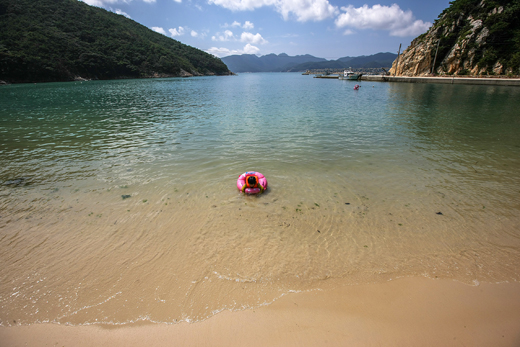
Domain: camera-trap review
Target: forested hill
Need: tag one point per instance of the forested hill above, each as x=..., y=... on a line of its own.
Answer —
x=60, y=40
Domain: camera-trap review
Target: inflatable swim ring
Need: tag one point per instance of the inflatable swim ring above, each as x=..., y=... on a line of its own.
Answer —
x=252, y=182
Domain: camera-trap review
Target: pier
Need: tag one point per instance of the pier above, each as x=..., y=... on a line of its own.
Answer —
x=327, y=76
x=445, y=80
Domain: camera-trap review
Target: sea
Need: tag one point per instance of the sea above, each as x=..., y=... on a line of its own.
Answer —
x=118, y=199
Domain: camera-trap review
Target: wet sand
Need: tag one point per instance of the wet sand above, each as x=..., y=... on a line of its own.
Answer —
x=404, y=312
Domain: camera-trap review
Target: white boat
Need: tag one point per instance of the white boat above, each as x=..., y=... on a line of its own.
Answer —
x=327, y=74
x=350, y=75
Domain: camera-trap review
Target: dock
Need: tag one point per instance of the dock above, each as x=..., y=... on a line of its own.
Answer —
x=445, y=80
x=327, y=76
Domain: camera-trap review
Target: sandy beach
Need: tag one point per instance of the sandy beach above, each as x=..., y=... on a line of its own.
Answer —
x=390, y=225
x=404, y=312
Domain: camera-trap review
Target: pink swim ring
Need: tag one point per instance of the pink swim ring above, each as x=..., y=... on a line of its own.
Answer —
x=252, y=182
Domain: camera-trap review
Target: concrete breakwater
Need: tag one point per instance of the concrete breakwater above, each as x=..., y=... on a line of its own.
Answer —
x=445, y=80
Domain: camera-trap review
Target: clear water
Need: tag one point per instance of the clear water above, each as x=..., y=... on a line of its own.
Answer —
x=118, y=199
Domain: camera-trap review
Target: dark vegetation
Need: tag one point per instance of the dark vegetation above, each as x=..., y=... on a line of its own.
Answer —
x=501, y=44
x=57, y=40
x=285, y=63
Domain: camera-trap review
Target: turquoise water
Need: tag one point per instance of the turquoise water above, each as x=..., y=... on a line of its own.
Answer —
x=191, y=129
x=114, y=192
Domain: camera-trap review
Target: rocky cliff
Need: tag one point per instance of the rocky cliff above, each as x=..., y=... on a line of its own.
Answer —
x=471, y=37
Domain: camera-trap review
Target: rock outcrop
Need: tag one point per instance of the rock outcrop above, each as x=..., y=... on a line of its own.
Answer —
x=471, y=37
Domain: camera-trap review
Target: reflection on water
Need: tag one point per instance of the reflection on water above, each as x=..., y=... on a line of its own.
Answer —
x=118, y=199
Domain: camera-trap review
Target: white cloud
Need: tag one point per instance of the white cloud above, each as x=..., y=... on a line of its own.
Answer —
x=221, y=52
x=416, y=28
x=348, y=32
x=224, y=52
x=194, y=33
x=306, y=10
x=235, y=24
x=226, y=36
x=303, y=10
x=178, y=1
x=250, y=49
x=118, y=11
x=248, y=25
x=100, y=3
x=254, y=39
x=246, y=37
x=378, y=17
x=159, y=30
x=177, y=32
x=242, y=5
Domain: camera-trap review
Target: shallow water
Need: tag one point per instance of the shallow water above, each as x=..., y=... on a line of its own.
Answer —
x=118, y=199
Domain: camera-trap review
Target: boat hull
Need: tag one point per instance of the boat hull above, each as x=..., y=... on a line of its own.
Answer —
x=354, y=77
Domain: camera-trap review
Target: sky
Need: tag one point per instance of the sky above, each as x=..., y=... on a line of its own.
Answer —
x=328, y=29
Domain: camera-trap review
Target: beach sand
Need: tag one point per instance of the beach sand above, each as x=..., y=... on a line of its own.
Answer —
x=403, y=312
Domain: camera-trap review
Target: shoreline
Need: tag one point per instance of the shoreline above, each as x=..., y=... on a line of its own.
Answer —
x=83, y=79
x=445, y=80
x=407, y=311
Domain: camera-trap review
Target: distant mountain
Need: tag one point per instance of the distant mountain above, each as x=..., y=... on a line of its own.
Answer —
x=371, y=61
x=321, y=65
x=60, y=40
x=285, y=63
x=266, y=63
x=244, y=63
x=346, y=59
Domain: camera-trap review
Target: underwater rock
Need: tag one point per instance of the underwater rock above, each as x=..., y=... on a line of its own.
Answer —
x=20, y=181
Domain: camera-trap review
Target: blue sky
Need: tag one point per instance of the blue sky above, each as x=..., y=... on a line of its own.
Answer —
x=328, y=29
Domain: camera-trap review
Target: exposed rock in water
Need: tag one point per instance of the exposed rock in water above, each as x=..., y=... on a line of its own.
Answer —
x=471, y=37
